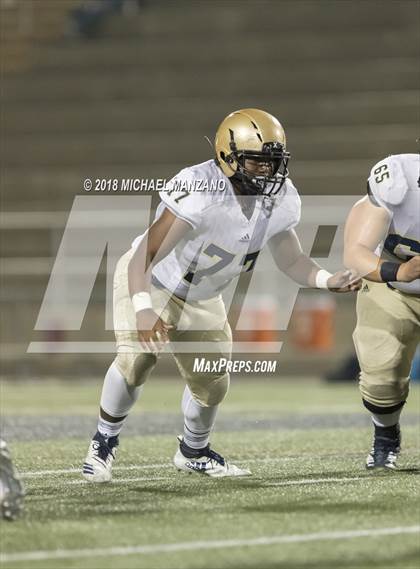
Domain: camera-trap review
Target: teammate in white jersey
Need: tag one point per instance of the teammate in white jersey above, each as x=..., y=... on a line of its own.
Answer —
x=12, y=492
x=382, y=242
x=213, y=220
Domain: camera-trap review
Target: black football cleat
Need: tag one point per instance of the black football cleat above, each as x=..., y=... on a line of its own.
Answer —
x=385, y=449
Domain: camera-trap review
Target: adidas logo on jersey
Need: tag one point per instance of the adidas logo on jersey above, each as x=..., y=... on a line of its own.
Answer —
x=365, y=288
x=244, y=237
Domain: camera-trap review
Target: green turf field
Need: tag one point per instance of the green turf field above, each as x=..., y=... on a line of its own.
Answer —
x=309, y=503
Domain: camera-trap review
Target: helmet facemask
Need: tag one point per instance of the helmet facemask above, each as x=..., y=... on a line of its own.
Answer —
x=253, y=183
x=252, y=135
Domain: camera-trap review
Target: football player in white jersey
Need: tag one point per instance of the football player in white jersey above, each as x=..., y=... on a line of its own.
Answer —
x=12, y=492
x=382, y=242
x=167, y=287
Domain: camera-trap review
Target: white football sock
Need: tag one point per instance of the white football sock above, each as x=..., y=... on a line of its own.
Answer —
x=116, y=400
x=108, y=429
x=386, y=419
x=198, y=421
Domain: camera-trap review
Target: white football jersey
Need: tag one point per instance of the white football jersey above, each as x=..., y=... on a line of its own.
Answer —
x=223, y=242
x=394, y=185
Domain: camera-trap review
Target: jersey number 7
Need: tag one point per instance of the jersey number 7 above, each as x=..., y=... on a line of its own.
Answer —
x=225, y=258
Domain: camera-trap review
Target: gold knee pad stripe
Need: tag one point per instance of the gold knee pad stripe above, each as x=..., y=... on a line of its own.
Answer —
x=208, y=390
x=377, y=350
x=135, y=367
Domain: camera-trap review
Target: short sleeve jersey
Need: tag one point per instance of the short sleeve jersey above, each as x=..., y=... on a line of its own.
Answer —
x=394, y=185
x=222, y=242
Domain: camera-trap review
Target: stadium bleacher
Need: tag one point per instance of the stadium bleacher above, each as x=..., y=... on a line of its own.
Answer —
x=138, y=100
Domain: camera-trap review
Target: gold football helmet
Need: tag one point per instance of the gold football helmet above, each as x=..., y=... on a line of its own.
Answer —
x=252, y=134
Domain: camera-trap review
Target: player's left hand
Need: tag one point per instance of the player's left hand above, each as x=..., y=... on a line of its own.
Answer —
x=344, y=281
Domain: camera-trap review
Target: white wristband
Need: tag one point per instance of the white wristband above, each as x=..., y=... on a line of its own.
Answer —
x=321, y=278
x=141, y=301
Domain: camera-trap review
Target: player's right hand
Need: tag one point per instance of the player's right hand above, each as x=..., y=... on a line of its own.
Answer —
x=344, y=281
x=152, y=331
x=409, y=271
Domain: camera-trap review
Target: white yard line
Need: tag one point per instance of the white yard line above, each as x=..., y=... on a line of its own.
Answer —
x=315, y=481
x=39, y=473
x=273, y=460
x=40, y=555
x=301, y=482
x=285, y=483
x=125, y=480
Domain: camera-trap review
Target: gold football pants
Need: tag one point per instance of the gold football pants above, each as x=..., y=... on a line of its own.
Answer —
x=203, y=323
x=386, y=336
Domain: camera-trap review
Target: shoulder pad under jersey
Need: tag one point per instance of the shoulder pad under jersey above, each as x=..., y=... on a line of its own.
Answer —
x=387, y=182
x=186, y=195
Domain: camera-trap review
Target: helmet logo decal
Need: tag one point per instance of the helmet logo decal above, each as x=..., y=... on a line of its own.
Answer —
x=232, y=141
x=256, y=128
